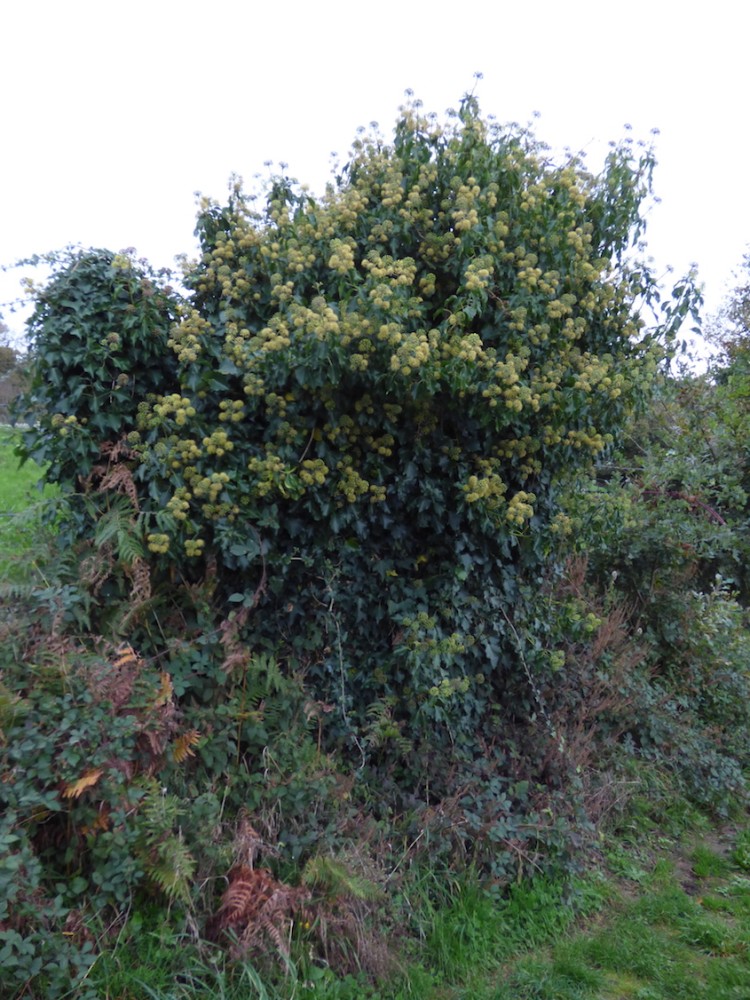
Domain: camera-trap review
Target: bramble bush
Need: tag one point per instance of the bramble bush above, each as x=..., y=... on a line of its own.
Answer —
x=664, y=530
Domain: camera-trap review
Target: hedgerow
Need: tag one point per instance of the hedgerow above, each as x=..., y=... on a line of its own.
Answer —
x=317, y=497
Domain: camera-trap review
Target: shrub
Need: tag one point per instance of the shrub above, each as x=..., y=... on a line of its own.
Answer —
x=342, y=451
x=370, y=399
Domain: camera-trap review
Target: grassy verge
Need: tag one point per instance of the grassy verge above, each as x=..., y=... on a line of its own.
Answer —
x=667, y=920
x=17, y=485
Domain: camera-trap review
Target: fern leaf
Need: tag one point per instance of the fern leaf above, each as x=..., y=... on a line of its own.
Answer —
x=182, y=748
x=12, y=707
x=75, y=789
x=158, y=813
x=268, y=672
x=111, y=522
x=129, y=545
x=172, y=867
x=335, y=879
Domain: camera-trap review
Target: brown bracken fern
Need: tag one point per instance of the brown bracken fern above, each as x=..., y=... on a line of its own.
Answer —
x=257, y=910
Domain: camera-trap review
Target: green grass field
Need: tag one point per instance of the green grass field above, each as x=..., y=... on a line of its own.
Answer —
x=680, y=932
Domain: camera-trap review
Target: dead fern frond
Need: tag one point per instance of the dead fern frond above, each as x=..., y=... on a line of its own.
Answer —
x=246, y=894
x=115, y=681
x=153, y=741
x=140, y=576
x=125, y=656
x=247, y=842
x=116, y=450
x=236, y=653
x=114, y=474
x=257, y=910
x=126, y=682
x=120, y=479
x=166, y=690
x=97, y=568
x=101, y=823
x=182, y=748
x=74, y=789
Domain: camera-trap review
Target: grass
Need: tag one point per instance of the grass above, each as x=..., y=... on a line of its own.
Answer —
x=21, y=503
x=17, y=485
x=682, y=932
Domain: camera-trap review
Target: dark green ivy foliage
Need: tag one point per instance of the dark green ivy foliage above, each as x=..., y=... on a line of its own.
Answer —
x=99, y=339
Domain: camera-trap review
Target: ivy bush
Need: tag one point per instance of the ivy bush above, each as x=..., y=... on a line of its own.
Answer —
x=366, y=403
x=341, y=453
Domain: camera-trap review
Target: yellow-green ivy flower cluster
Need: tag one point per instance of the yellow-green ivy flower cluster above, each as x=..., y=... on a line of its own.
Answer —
x=176, y=407
x=489, y=488
x=342, y=255
x=209, y=486
x=217, y=443
x=313, y=471
x=64, y=425
x=179, y=505
x=271, y=474
x=479, y=273
x=186, y=336
x=448, y=687
x=233, y=410
x=158, y=543
x=194, y=547
x=351, y=484
x=520, y=508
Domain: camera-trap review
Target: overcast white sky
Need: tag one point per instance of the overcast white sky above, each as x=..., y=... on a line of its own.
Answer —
x=114, y=114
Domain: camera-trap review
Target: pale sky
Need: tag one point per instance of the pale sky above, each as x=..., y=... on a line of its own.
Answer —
x=114, y=115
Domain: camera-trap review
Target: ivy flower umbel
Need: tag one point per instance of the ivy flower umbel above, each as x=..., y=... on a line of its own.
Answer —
x=520, y=508
x=313, y=472
x=341, y=259
x=490, y=488
x=158, y=543
x=179, y=505
x=194, y=547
